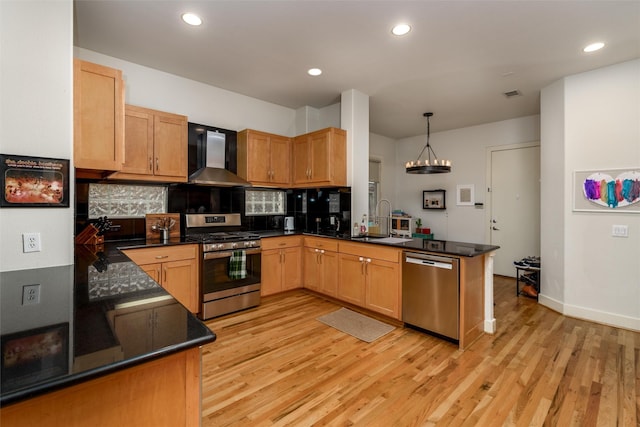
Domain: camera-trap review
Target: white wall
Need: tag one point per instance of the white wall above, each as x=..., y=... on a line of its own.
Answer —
x=601, y=131
x=466, y=149
x=552, y=195
x=36, y=98
x=202, y=103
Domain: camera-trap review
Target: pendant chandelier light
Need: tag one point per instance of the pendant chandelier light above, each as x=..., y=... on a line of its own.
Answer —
x=429, y=165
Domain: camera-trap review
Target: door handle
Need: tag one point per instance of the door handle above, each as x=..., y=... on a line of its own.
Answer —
x=495, y=228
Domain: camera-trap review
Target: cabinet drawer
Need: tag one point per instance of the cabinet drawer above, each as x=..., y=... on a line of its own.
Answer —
x=162, y=254
x=321, y=243
x=371, y=251
x=280, y=242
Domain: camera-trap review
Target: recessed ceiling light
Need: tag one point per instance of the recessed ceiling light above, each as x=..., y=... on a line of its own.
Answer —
x=401, y=29
x=314, y=71
x=191, y=19
x=593, y=47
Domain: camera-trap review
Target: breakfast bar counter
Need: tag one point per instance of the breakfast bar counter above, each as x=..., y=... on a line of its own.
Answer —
x=97, y=337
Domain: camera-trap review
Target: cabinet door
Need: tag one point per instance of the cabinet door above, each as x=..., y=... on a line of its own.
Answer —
x=351, y=287
x=169, y=327
x=329, y=267
x=271, y=272
x=134, y=332
x=170, y=145
x=180, y=279
x=319, y=164
x=301, y=153
x=98, y=116
x=280, y=156
x=383, y=288
x=153, y=270
x=311, y=267
x=258, y=158
x=138, y=141
x=291, y=268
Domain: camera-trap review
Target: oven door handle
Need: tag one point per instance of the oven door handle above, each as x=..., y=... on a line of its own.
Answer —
x=227, y=254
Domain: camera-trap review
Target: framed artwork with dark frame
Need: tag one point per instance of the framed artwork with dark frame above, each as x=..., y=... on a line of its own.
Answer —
x=31, y=182
x=434, y=199
x=34, y=355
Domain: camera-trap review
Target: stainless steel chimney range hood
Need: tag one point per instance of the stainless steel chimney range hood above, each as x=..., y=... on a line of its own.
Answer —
x=212, y=157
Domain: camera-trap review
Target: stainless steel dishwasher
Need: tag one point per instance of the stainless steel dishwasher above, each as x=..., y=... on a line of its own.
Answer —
x=430, y=293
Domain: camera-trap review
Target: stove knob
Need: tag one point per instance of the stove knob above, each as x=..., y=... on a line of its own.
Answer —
x=247, y=244
x=252, y=243
x=234, y=245
x=219, y=246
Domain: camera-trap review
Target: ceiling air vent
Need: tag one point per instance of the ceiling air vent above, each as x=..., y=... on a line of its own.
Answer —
x=512, y=93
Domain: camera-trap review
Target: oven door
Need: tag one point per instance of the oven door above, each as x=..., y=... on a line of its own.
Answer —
x=218, y=279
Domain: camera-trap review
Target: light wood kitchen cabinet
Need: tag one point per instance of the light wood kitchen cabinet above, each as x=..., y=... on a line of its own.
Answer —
x=155, y=146
x=175, y=268
x=370, y=277
x=281, y=264
x=141, y=330
x=320, y=158
x=98, y=117
x=264, y=159
x=320, y=265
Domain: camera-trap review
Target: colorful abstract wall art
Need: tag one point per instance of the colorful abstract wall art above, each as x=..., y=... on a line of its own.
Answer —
x=607, y=190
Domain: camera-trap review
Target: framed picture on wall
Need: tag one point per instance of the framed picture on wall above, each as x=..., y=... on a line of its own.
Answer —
x=433, y=199
x=465, y=195
x=31, y=182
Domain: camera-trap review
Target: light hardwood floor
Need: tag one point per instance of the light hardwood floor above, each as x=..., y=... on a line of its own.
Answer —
x=277, y=365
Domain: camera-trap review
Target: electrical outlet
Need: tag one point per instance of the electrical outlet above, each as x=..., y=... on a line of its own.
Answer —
x=31, y=242
x=30, y=294
x=620, y=231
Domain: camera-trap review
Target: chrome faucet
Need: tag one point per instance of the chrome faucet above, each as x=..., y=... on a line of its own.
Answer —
x=388, y=217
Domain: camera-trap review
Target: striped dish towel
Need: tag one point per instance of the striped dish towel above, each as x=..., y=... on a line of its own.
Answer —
x=238, y=265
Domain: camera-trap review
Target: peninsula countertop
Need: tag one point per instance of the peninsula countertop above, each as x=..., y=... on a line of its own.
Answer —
x=64, y=334
x=442, y=247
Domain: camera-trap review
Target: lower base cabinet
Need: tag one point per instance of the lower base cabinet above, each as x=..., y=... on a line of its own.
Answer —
x=321, y=265
x=370, y=277
x=281, y=264
x=161, y=392
x=175, y=268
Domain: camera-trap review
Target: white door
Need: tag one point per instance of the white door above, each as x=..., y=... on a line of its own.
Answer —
x=515, y=205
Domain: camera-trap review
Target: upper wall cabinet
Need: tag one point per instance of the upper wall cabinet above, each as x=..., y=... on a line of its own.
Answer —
x=320, y=158
x=155, y=146
x=264, y=159
x=98, y=113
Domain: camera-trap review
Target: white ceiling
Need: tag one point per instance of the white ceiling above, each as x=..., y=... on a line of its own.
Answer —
x=458, y=60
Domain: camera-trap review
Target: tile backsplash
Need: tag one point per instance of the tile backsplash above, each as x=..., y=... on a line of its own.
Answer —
x=126, y=201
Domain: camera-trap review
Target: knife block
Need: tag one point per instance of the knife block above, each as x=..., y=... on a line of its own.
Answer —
x=89, y=236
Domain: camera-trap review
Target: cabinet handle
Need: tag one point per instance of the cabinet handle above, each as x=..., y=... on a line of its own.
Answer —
x=157, y=164
x=155, y=319
x=150, y=164
x=150, y=320
x=162, y=256
x=164, y=271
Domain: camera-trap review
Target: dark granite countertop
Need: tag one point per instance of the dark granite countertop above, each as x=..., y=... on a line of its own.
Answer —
x=85, y=322
x=443, y=247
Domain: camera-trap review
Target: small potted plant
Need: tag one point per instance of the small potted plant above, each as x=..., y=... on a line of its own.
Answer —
x=418, y=226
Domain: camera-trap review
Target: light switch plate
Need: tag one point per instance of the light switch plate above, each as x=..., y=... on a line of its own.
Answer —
x=620, y=230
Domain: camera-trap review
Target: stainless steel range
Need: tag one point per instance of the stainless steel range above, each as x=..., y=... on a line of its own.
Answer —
x=230, y=264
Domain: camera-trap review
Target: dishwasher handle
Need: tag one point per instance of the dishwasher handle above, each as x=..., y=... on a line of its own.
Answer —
x=437, y=262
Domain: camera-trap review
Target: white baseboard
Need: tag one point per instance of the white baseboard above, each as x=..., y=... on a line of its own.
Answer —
x=490, y=326
x=590, y=314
